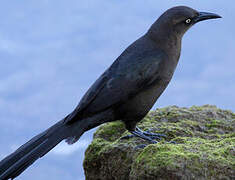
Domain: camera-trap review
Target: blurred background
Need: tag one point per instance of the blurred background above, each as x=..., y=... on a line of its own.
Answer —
x=52, y=51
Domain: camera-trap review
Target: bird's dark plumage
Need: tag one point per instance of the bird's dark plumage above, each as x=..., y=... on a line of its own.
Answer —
x=126, y=91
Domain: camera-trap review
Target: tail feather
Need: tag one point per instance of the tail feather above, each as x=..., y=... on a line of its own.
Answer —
x=20, y=152
x=14, y=164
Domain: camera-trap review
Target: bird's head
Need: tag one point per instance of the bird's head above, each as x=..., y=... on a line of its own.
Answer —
x=179, y=19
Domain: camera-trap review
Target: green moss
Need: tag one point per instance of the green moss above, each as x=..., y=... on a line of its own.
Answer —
x=195, y=153
x=94, y=149
x=110, y=131
x=159, y=155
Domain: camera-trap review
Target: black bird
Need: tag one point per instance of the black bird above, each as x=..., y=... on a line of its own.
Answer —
x=125, y=91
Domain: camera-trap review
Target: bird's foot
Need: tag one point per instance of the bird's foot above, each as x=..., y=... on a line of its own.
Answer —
x=151, y=137
x=138, y=133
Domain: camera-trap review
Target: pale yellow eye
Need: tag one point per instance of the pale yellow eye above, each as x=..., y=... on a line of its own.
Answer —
x=188, y=21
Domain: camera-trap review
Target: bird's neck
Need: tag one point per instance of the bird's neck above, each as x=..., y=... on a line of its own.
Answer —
x=167, y=40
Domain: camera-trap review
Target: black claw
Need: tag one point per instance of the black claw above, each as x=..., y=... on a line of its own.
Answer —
x=172, y=142
x=153, y=142
x=150, y=134
x=147, y=133
x=141, y=146
x=155, y=137
x=128, y=136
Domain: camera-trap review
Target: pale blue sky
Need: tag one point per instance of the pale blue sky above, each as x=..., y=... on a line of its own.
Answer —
x=52, y=51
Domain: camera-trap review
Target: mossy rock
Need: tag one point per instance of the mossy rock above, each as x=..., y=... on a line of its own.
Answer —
x=203, y=148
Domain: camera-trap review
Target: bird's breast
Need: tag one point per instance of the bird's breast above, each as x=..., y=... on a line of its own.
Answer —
x=140, y=104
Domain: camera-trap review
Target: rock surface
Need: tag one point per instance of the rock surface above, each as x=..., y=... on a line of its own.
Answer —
x=204, y=147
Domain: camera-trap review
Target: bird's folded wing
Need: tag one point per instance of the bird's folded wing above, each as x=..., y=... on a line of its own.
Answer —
x=123, y=80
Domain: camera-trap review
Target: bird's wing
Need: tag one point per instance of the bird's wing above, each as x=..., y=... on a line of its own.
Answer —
x=125, y=78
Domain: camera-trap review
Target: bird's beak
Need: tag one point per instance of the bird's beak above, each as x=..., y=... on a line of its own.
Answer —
x=205, y=15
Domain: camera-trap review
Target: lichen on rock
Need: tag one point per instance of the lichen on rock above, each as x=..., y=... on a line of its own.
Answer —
x=204, y=147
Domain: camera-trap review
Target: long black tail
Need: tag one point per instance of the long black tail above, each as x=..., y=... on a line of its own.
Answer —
x=14, y=164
